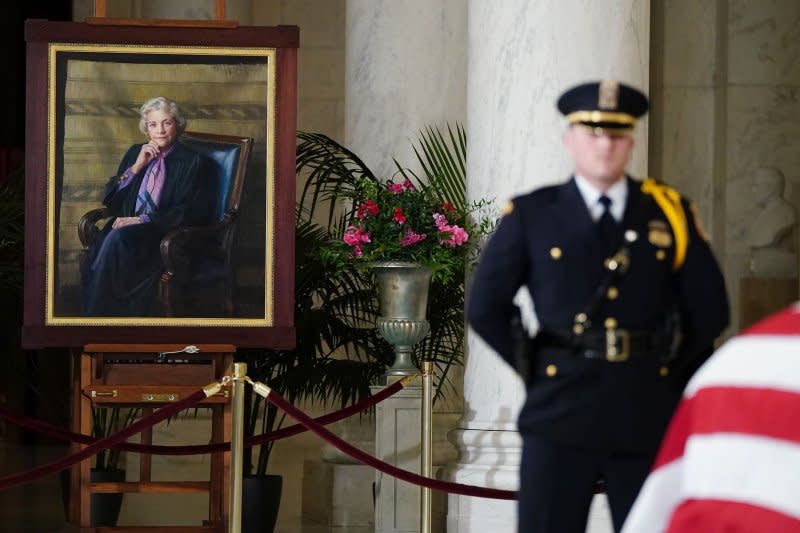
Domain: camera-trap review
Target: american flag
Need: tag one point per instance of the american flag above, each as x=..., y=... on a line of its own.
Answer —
x=730, y=460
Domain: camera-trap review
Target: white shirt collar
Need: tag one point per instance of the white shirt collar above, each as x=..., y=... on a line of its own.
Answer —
x=618, y=193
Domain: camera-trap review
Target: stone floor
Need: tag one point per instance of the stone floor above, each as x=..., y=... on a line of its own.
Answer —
x=37, y=507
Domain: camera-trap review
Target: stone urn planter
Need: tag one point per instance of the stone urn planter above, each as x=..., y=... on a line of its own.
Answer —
x=403, y=302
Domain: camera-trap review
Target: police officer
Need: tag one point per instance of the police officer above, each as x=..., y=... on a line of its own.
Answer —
x=629, y=299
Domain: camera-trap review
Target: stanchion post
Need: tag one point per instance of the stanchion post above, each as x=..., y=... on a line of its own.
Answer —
x=426, y=447
x=237, y=446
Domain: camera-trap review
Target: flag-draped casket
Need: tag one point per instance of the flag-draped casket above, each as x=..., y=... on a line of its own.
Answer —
x=730, y=460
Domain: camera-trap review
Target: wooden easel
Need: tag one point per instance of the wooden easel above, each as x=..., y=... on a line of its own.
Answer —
x=130, y=375
x=115, y=375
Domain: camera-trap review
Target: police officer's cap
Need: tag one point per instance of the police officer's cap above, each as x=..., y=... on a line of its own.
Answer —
x=603, y=104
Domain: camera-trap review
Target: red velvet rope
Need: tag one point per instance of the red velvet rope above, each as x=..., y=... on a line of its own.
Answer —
x=102, y=444
x=444, y=486
x=58, y=433
x=313, y=425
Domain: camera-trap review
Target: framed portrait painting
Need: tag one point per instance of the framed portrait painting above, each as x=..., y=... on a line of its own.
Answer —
x=159, y=184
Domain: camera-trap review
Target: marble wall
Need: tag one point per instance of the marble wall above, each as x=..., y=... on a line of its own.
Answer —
x=405, y=70
x=763, y=112
x=726, y=104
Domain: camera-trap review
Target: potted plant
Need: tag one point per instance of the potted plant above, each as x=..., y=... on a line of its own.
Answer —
x=108, y=467
x=393, y=214
x=339, y=353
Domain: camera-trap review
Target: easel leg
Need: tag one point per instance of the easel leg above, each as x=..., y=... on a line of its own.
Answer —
x=80, y=493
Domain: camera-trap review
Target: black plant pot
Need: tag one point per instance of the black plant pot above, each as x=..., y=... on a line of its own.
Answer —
x=105, y=507
x=261, y=499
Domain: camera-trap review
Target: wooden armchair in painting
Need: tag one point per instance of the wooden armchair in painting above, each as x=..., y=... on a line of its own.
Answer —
x=198, y=275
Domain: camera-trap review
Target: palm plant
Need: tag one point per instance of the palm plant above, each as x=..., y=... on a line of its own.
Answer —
x=335, y=358
x=12, y=211
x=339, y=352
x=333, y=172
x=105, y=422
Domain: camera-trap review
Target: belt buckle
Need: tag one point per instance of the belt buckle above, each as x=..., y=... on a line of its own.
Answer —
x=618, y=345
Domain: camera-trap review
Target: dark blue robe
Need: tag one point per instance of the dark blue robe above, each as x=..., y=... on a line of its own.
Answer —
x=123, y=268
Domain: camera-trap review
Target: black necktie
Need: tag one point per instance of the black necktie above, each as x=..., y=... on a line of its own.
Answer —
x=607, y=226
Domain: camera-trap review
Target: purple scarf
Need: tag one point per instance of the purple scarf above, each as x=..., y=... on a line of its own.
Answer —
x=149, y=194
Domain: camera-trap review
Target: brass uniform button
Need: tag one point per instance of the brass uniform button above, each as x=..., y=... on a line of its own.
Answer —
x=660, y=255
x=551, y=370
x=612, y=293
x=580, y=323
x=610, y=323
x=555, y=252
x=664, y=371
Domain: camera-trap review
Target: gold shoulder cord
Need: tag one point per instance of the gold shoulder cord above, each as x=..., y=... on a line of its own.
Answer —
x=669, y=201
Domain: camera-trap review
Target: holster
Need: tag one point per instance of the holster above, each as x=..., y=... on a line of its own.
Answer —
x=673, y=329
x=524, y=352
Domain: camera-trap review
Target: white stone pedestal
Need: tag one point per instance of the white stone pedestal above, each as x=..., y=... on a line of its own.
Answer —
x=347, y=494
x=397, y=441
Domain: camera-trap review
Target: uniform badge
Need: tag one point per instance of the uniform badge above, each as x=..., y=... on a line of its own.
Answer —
x=660, y=238
x=658, y=233
x=508, y=208
x=608, y=95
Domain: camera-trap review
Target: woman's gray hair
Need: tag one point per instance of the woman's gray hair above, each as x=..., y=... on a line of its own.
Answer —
x=159, y=103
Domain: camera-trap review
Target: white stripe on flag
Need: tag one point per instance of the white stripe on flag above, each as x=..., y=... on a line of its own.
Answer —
x=768, y=361
x=743, y=468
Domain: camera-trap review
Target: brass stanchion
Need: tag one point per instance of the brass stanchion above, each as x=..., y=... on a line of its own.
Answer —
x=237, y=446
x=426, y=452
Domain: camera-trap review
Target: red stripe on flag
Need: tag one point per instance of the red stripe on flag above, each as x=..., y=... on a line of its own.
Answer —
x=758, y=411
x=786, y=322
x=755, y=411
x=718, y=516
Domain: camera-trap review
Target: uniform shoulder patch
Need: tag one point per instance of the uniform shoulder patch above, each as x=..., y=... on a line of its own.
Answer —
x=508, y=208
x=669, y=201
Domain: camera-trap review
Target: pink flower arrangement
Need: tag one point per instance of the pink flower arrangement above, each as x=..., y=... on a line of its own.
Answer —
x=401, y=221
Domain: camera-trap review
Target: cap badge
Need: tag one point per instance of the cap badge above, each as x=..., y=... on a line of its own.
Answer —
x=608, y=94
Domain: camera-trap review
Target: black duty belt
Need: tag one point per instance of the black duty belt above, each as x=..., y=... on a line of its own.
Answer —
x=613, y=345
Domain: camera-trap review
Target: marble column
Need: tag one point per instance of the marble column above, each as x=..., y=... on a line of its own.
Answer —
x=521, y=55
x=405, y=69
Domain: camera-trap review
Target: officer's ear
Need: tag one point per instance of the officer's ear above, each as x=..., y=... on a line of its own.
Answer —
x=569, y=139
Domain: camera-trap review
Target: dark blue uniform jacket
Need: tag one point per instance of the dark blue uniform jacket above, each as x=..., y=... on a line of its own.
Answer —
x=549, y=243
